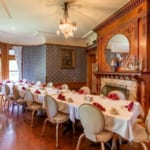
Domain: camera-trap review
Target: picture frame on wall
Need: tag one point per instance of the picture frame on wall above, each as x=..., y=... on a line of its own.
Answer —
x=67, y=58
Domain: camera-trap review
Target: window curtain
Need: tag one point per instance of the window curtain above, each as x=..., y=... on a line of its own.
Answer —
x=18, y=56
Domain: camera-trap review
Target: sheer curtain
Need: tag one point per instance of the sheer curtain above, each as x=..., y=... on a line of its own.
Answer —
x=18, y=55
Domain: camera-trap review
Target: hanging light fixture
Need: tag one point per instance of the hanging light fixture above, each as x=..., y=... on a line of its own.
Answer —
x=66, y=27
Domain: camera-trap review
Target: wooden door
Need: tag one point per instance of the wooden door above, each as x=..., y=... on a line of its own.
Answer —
x=91, y=78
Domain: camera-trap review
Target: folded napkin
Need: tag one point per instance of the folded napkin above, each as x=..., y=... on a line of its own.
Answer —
x=81, y=91
x=99, y=106
x=1, y=83
x=113, y=96
x=58, y=87
x=23, y=88
x=130, y=106
x=20, y=80
x=61, y=97
x=43, y=85
x=37, y=92
x=8, y=81
x=26, y=82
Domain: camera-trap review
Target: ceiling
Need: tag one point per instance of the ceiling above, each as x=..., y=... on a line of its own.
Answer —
x=32, y=22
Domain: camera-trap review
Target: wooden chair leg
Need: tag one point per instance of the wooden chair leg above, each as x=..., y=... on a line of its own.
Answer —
x=25, y=114
x=44, y=125
x=73, y=127
x=144, y=146
x=5, y=103
x=114, y=140
x=32, y=118
x=102, y=146
x=57, y=126
x=13, y=105
x=79, y=141
x=17, y=109
x=2, y=100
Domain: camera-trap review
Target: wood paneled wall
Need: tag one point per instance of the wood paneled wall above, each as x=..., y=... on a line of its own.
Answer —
x=132, y=20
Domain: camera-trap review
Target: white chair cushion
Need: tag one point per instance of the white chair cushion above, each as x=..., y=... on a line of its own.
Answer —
x=60, y=118
x=104, y=136
x=35, y=107
x=139, y=133
x=21, y=101
x=148, y=121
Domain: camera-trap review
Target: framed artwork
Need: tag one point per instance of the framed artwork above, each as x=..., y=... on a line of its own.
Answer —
x=67, y=58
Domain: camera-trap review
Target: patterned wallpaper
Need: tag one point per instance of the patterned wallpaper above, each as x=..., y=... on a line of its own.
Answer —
x=55, y=73
x=44, y=61
x=34, y=63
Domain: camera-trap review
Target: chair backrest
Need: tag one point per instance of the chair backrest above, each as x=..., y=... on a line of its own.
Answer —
x=65, y=86
x=50, y=84
x=7, y=89
x=91, y=118
x=50, y=106
x=15, y=92
x=28, y=97
x=85, y=89
x=1, y=87
x=38, y=83
x=148, y=121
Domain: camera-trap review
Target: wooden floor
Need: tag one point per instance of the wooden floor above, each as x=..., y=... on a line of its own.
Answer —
x=15, y=134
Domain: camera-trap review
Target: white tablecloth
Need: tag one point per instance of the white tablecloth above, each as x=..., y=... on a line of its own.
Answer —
x=120, y=124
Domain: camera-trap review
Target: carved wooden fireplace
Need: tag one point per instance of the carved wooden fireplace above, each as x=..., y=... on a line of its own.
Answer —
x=123, y=51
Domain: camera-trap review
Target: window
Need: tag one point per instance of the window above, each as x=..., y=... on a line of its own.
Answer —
x=11, y=52
x=13, y=67
x=8, y=64
x=13, y=70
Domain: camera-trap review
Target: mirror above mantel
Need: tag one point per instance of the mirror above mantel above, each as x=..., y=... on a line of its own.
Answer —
x=117, y=50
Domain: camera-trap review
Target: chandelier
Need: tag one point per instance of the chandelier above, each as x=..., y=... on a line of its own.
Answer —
x=66, y=27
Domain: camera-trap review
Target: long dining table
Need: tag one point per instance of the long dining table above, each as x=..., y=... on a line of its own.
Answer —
x=120, y=123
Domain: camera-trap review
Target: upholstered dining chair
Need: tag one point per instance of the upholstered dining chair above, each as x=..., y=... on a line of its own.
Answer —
x=7, y=95
x=49, y=84
x=1, y=95
x=38, y=83
x=141, y=133
x=17, y=99
x=53, y=115
x=85, y=89
x=93, y=123
x=31, y=105
x=64, y=86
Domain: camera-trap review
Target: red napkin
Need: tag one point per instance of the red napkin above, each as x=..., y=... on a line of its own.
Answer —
x=59, y=87
x=113, y=96
x=130, y=106
x=99, y=106
x=20, y=80
x=43, y=85
x=61, y=97
x=81, y=92
x=23, y=88
x=8, y=81
x=37, y=92
x=1, y=83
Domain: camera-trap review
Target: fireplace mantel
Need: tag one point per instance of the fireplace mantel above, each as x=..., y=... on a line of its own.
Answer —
x=122, y=75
